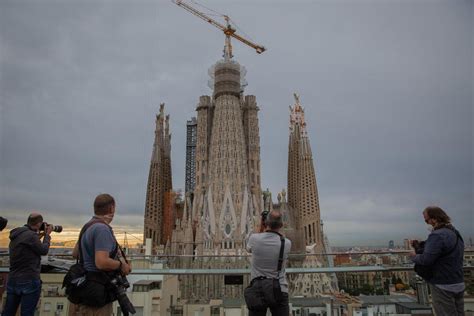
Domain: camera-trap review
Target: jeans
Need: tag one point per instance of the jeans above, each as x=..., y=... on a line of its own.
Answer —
x=283, y=309
x=25, y=293
x=447, y=303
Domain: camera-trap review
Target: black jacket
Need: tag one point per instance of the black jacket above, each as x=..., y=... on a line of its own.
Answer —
x=26, y=250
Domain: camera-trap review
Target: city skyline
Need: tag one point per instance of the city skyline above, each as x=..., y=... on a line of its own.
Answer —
x=386, y=87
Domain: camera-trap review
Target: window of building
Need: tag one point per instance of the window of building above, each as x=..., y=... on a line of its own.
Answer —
x=176, y=311
x=47, y=307
x=140, y=288
x=215, y=311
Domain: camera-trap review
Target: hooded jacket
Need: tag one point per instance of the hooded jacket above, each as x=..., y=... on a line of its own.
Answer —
x=26, y=250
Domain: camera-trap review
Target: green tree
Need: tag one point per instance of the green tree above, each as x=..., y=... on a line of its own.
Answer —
x=379, y=291
x=367, y=289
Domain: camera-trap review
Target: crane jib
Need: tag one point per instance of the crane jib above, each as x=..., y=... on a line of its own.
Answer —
x=228, y=30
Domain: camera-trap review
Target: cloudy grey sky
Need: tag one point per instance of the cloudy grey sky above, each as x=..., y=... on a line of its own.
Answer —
x=387, y=86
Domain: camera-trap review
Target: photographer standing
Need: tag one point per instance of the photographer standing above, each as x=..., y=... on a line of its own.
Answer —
x=26, y=249
x=439, y=260
x=101, y=259
x=267, y=248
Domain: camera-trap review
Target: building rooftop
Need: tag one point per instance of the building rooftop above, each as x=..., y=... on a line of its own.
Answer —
x=414, y=306
x=309, y=301
x=385, y=299
x=146, y=282
x=233, y=302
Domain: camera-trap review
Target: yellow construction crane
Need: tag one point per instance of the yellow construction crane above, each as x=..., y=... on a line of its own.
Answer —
x=228, y=30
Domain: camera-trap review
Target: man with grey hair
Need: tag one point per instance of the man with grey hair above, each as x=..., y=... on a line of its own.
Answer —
x=265, y=248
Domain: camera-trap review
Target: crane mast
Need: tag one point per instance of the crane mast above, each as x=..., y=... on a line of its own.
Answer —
x=228, y=30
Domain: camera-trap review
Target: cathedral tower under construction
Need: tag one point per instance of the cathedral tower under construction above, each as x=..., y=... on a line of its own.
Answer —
x=227, y=194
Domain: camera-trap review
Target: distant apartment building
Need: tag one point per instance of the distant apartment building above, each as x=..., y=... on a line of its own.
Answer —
x=342, y=259
x=391, y=244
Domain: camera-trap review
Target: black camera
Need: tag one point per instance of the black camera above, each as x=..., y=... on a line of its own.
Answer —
x=3, y=223
x=56, y=228
x=120, y=285
x=419, y=246
x=264, y=215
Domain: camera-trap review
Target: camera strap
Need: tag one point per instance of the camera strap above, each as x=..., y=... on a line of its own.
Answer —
x=282, y=249
x=83, y=230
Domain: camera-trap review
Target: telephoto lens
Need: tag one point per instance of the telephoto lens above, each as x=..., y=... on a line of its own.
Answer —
x=120, y=285
x=56, y=228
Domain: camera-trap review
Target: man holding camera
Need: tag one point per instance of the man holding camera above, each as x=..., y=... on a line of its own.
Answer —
x=101, y=259
x=26, y=249
x=439, y=260
x=267, y=248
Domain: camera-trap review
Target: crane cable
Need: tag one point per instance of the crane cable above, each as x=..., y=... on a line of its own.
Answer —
x=209, y=9
x=216, y=13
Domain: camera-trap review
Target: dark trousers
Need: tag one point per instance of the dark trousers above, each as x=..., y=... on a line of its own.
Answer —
x=282, y=309
x=25, y=293
x=447, y=303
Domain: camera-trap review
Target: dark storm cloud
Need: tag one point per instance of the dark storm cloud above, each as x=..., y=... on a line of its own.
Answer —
x=387, y=87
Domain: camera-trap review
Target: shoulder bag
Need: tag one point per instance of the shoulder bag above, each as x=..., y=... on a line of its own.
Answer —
x=83, y=287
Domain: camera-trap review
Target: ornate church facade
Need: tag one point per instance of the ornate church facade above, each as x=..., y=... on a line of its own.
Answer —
x=225, y=206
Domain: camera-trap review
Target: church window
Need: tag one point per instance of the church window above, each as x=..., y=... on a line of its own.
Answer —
x=227, y=229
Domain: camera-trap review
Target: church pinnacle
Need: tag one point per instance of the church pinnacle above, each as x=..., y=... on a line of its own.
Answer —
x=302, y=187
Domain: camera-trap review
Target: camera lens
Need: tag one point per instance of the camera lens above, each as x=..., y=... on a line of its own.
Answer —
x=54, y=228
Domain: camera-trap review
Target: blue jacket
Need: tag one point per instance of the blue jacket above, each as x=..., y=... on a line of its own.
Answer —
x=446, y=269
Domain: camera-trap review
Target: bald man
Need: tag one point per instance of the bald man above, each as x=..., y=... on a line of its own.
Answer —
x=26, y=249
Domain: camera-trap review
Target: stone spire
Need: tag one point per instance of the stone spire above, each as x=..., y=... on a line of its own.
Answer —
x=159, y=180
x=227, y=192
x=302, y=187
